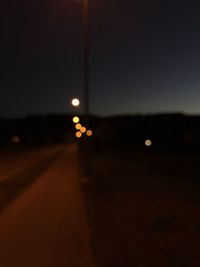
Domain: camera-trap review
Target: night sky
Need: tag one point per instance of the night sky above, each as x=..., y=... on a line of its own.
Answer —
x=145, y=56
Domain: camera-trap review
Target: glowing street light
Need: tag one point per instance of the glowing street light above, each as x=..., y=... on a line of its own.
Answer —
x=89, y=133
x=148, y=142
x=75, y=102
x=83, y=129
x=78, y=134
x=76, y=119
x=78, y=126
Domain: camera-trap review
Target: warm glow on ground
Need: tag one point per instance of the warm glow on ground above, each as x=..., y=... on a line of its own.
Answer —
x=83, y=129
x=148, y=142
x=76, y=119
x=78, y=134
x=75, y=102
x=89, y=133
x=78, y=126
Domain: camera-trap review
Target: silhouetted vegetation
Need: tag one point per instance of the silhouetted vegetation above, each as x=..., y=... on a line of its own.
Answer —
x=168, y=132
x=35, y=129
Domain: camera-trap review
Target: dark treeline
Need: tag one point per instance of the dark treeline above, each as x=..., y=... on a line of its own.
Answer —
x=35, y=129
x=166, y=131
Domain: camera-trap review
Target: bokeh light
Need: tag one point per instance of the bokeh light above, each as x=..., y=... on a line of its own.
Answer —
x=75, y=102
x=15, y=139
x=148, y=142
x=78, y=126
x=83, y=129
x=89, y=133
x=76, y=119
x=78, y=134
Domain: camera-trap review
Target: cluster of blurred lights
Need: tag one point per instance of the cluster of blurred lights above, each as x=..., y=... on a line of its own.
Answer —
x=81, y=129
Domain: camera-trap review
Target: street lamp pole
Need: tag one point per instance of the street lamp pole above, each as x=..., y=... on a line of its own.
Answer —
x=87, y=44
x=86, y=79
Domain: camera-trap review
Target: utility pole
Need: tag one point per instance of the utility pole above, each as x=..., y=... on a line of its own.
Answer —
x=87, y=46
x=86, y=82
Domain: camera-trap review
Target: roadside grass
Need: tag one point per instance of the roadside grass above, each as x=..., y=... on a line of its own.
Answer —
x=143, y=209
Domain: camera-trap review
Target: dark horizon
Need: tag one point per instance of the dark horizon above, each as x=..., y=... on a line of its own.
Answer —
x=176, y=113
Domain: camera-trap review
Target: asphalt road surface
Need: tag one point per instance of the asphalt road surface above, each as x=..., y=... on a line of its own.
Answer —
x=42, y=217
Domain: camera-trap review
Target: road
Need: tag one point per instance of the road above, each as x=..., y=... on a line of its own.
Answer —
x=42, y=218
x=18, y=160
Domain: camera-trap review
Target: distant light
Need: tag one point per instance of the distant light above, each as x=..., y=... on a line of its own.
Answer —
x=76, y=119
x=89, y=133
x=78, y=134
x=78, y=126
x=83, y=129
x=148, y=142
x=75, y=102
x=15, y=139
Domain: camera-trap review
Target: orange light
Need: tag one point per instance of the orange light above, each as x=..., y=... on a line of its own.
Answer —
x=89, y=133
x=78, y=134
x=78, y=126
x=148, y=142
x=83, y=129
x=76, y=119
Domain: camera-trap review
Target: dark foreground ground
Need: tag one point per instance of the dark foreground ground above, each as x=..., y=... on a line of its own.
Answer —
x=144, y=209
